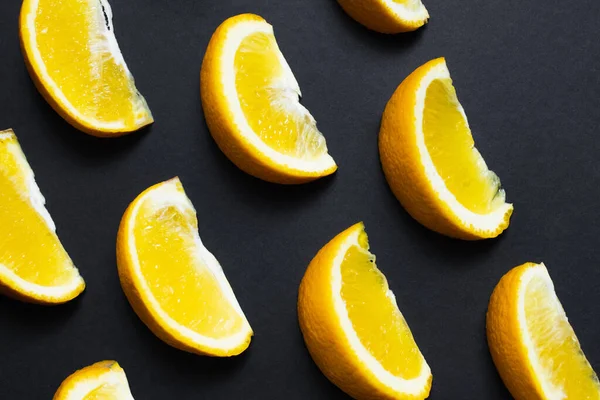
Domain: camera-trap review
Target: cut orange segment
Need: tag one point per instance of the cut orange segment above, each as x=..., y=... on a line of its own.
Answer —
x=104, y=380
x=353, y=328
x=431, y=163
x=251, y=102
x=175, y=285
x=532, y=343
x=73, y=57
x=387, y=16
x=34, y=266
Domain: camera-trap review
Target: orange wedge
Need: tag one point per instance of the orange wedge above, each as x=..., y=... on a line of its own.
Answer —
x=353, y=328
x=175, y=285
x=430, y=161
x=532, y=342
x=73, y=58
x=251, y=102
x=104, y=380
x=34, y=266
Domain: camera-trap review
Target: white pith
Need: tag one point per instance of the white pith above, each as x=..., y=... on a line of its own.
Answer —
x=482, y=222
x=413, y=10
x=115, y=378
x=413, y=386
x=167, y=195
x=37, y=202
x=108, y=44
x=234, y=38
x=540, y=272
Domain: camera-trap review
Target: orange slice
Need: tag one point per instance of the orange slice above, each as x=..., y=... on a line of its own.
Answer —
x=175, y=285
x=73, y=58
x=353, y=328
x=34, y=266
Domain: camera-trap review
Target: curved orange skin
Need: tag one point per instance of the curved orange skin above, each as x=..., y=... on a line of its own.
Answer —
x=220, y=119
x=505, y=339
x=375, y=15
x=136, y=299
x=323, y=335
x=34, y=74
x=16, y=294
x=401, y=163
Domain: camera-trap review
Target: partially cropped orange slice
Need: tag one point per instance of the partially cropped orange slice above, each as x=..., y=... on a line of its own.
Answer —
x=387, y=16
x=73, y=57
x=175, y=285
x=532, y=342
x=34, y=266
x=104, y=380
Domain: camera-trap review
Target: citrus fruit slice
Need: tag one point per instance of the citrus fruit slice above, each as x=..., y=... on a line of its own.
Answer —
x=431, y=163
x=532, y=343
x=251, y=103
x=34, y=266
x=387, y=16
x=352, y=326
x=73, y=58
x=175, y=285
x=104, y=380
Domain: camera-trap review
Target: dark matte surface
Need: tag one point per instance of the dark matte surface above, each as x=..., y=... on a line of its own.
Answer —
x=526, y=73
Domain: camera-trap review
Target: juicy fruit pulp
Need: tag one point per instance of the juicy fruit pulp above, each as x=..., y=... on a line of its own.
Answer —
x=450, y=144
x=269, y=97
x=82, y=57
x=167, y=245
x=375, y=316
x=29, y=247
x=104, y=392
x=412, y=5
x=558, y=349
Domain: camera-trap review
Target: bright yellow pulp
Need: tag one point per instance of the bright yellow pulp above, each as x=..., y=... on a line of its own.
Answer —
x=450, y=144
x=410, y=4
x=271, y=103
x=375, y=316
x=103, y=392
x=73, y=40
x=558, y=348
x=166, y=240
x=28, y=246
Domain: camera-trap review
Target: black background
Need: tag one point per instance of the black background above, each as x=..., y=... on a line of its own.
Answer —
x=527, y=74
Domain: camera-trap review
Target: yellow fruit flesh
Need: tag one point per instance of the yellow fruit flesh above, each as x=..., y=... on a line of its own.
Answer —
x=270, y=104
x=177, y=277
x=449, y=142
x=103, y=392
x=78, y=59
x=27, y=245
x=411, y=5
x=375, y=317
x=558, y=348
